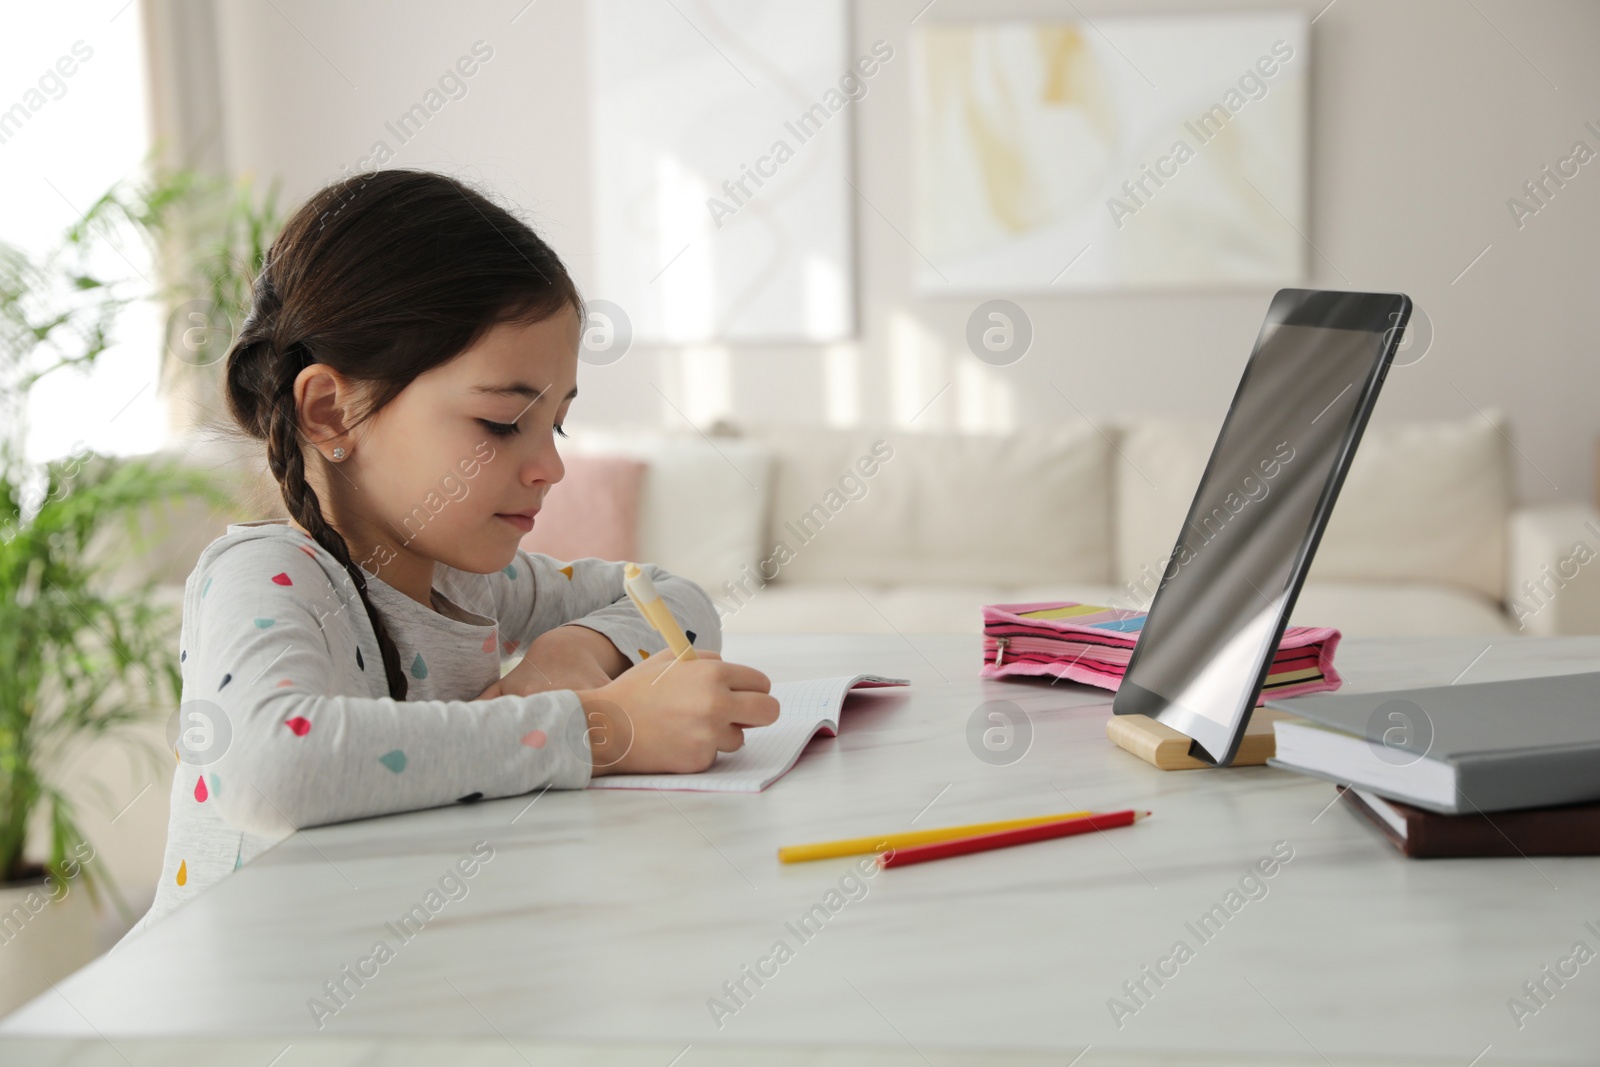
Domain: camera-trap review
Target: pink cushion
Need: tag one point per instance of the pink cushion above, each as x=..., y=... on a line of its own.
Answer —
x=592, y=511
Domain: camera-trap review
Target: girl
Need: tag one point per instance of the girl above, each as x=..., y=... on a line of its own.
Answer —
x=409, y=357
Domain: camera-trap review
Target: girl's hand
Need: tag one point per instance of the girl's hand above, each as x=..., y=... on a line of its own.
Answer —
x=673, y=716
x=568, y=657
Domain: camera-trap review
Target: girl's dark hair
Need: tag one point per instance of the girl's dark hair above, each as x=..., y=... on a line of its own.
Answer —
x=381, y=276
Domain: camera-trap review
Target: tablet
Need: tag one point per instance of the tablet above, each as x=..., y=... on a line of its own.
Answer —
x=1263, y=501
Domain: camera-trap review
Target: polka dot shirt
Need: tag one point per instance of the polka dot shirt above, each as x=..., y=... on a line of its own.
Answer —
x=286, y=722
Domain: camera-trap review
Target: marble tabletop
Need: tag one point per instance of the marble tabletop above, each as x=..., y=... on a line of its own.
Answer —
x=629, y=927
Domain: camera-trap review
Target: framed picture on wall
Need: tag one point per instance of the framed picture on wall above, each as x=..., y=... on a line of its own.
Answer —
x=1126, y=153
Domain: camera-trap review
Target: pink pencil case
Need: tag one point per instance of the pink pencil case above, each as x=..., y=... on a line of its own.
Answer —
x=1092, y=644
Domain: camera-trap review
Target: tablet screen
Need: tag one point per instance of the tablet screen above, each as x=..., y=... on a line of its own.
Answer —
x=1228, y=585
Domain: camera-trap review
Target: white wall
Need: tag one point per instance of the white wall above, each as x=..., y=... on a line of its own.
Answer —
x=1426, y=115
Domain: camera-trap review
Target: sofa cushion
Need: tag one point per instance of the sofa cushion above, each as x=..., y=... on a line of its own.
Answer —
x=592, y=511
x=1423, y=502
x=704, y=500
x=952, y=509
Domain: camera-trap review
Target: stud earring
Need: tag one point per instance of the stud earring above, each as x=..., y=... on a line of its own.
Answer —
x=338, y=453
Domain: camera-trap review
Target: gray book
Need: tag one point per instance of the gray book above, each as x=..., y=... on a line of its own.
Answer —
x=1454, y=749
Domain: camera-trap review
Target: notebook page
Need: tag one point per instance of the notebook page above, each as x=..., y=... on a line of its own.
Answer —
x=804, y=708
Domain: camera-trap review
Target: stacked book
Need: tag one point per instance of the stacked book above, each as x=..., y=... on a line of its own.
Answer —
x=1091, y=643
x=1488, y=769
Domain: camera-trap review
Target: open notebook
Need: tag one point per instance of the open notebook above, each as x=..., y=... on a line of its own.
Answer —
x=805, y=709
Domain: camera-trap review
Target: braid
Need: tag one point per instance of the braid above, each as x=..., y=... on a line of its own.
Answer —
x=287, y=463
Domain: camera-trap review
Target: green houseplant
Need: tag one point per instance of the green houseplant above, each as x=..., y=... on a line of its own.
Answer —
x=78, y=659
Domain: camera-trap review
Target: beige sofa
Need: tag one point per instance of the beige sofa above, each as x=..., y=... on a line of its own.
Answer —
x=1425, y=538
x=811, y=530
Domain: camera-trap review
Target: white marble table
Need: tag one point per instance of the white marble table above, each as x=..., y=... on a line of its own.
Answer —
x=607, y=920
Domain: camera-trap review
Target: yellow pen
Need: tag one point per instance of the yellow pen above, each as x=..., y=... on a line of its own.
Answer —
x=824, y=850
x=643, y=593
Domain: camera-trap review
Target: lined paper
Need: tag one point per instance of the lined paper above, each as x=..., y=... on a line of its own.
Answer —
x=805, y=709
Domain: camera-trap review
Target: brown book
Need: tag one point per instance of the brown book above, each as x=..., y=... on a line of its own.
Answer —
x=1569, y=830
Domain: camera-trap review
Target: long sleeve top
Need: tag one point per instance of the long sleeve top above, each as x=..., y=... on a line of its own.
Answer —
x=285, y=720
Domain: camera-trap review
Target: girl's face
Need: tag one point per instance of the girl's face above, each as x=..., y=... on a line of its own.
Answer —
x=452, y=469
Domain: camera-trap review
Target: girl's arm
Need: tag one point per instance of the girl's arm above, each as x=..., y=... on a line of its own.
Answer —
x=273, y=665
x=537, y=594
x=571, y=656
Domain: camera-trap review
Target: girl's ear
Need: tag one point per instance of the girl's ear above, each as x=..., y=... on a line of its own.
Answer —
x=326, y=403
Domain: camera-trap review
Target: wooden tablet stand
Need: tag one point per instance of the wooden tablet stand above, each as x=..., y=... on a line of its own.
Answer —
x=1159, y=744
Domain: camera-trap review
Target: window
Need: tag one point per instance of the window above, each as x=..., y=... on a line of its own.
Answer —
x=73, y=122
